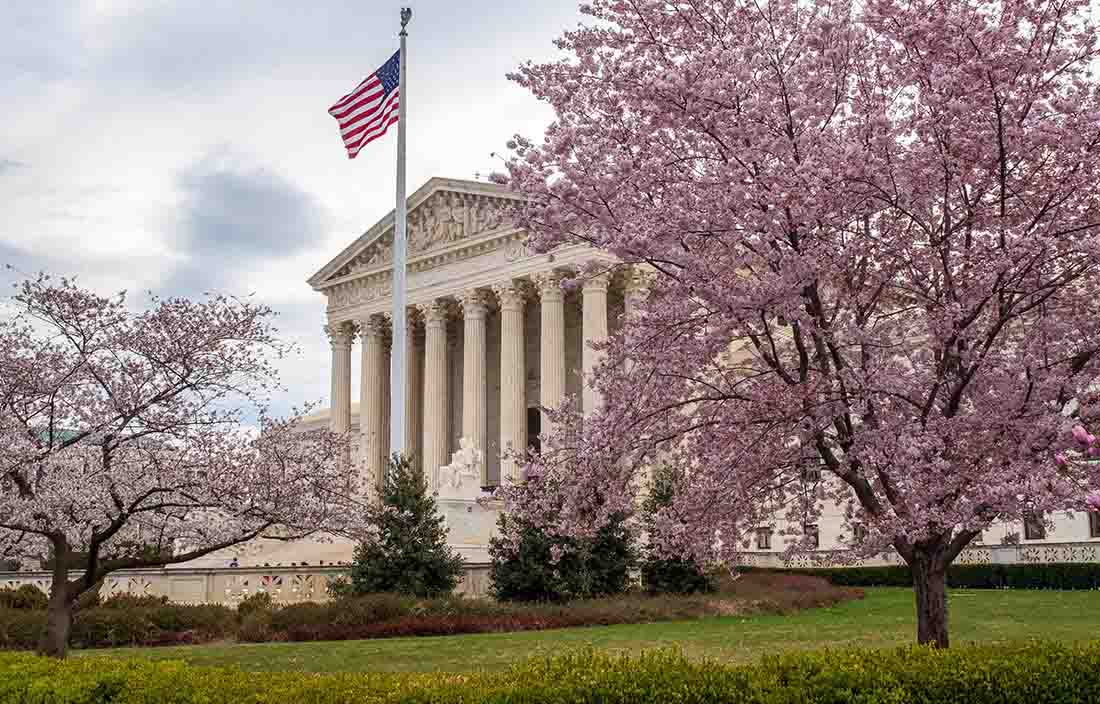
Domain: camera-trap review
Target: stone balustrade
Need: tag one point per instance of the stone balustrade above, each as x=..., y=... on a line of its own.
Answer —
x=1030, y=553
x=228, y=586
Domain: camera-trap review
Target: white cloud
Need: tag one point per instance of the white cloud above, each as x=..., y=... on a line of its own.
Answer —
x=169, y=145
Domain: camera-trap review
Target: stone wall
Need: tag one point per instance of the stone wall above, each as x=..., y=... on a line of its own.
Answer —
x=286, y=585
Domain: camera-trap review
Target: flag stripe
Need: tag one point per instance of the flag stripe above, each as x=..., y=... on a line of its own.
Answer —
x=376, y=114
x=367, y=83
x=382, y=123
x=366, y=113
x=393, y=120
x=376, y=91
x=368, y=137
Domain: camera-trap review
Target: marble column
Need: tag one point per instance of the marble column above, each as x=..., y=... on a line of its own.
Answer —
x=340, y=336
x=594, y=329
x=475, y=424
x=437, y=403
x=513, y=379
x=372, y=422
x=552, y=348
x=413, y=344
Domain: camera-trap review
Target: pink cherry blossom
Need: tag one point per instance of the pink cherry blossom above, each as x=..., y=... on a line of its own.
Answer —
x=124, y=442
x=873, y=231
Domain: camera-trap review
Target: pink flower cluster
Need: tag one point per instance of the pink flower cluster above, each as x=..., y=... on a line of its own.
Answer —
x=873, y=238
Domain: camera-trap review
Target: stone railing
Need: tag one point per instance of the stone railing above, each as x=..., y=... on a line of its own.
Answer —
x=1032, y=553
x=225, y=585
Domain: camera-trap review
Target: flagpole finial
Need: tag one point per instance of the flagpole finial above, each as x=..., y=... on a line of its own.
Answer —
x=406, y=15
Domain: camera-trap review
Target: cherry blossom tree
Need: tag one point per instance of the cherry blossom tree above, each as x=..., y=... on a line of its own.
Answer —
x=124, y=442
x=873, y=232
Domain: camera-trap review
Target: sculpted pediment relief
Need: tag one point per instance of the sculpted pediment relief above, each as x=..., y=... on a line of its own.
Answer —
x=445, y=218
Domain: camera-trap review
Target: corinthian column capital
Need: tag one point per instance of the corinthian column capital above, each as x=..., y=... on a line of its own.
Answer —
x=548, y=284
x=434, y=313
x=373, y=328
x=596, y=282
x=341, y=335
x=474, y=303
x=511, y=295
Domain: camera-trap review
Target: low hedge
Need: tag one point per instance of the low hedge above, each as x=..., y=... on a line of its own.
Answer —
x=1035, y=673
x=112, y=626
x=1055, y=575
x=134, y=620
x=391, y=615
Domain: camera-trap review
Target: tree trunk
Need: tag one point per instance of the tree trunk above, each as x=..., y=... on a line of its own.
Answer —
x=59, y=612
x=930, y=587
x=59, y=621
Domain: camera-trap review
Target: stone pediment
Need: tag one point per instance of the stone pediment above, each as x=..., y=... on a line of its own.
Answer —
x=441, y=214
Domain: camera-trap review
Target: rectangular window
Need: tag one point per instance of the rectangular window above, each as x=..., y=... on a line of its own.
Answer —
x=815, y=535
x=1094, y=524
x=763, y=539
x=1034, y=528
x=859, y=532
x=811, y=472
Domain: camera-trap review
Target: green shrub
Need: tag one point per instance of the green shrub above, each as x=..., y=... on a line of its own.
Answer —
x=132, y=601
x=26, y=596
x=255, y=627
x=260, y=601
x=1056, y=575
x=21, y=629
x=1036, y=673
x=584, y=569
x=113, y=627
x=409, y=554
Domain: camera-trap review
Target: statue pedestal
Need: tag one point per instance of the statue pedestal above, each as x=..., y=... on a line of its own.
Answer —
x=470, y=522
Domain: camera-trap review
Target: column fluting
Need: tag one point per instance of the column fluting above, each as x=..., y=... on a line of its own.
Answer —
x=437, y=403
x=594, y=329
x=340, y=336
x=513, y=379
x=552, y=344
x=372, y=370
x=474, y=386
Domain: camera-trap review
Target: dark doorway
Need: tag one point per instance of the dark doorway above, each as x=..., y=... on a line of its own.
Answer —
x=534, y=427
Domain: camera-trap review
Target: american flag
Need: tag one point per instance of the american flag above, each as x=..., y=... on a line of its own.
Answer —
x=368, y=111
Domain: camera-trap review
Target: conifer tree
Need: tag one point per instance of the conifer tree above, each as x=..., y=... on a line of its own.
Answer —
x=407, y=549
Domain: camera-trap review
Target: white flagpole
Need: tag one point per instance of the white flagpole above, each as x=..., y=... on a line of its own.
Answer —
x=397, y=351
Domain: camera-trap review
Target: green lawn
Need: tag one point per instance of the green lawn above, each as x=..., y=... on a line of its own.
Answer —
x=884, y=618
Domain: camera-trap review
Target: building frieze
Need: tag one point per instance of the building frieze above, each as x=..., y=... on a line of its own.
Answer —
x=373, y=284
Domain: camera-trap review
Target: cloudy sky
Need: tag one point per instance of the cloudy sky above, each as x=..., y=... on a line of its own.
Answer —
x=183, y=147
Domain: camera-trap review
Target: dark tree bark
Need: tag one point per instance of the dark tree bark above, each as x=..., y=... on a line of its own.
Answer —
x=930, y=587
x=59, y=613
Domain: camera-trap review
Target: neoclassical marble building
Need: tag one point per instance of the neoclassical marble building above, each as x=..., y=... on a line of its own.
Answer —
x=493, y=339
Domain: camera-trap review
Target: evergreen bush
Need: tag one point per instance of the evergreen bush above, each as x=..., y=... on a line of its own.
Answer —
x=408, y=550
x=526, y=569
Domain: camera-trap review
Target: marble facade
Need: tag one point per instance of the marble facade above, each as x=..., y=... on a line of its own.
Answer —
x=493, y=338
